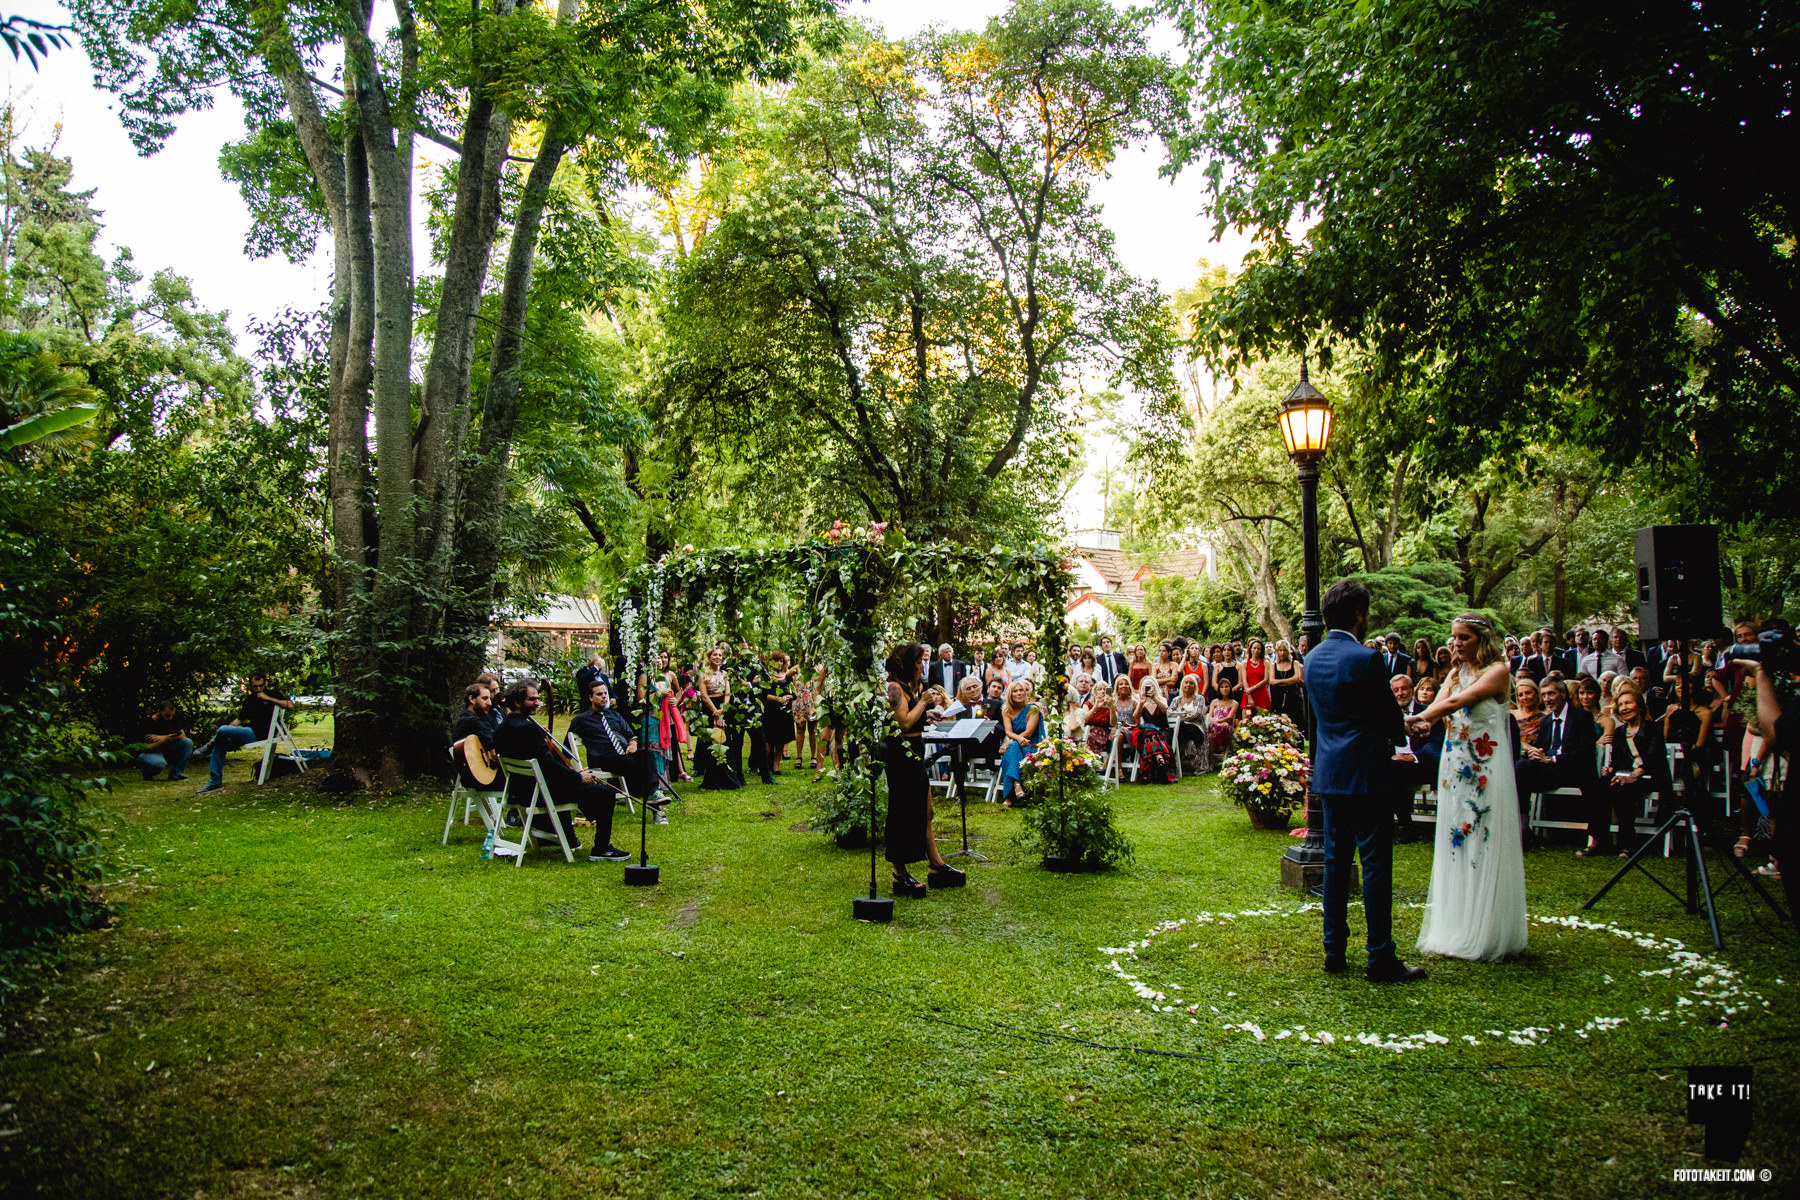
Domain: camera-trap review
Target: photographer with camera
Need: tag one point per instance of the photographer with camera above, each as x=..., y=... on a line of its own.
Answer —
x=1773, y=660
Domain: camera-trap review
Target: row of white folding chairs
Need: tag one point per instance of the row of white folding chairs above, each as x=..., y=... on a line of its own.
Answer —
x=492, y=805
x=1116, y=758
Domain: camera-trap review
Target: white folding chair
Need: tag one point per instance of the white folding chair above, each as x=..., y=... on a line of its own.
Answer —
x=541, y=801
x=278, y=736
x=578, y=752
x=490, y=803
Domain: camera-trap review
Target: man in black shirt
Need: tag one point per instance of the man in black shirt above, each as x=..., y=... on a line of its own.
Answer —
x=521, y=737
x=256, y=715
x=611, y=745
x=166, y=743
x=477, y=722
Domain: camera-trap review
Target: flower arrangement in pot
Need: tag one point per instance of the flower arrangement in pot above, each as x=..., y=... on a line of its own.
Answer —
x=1269, y=780
x=1270, y=729
x=1067, y=815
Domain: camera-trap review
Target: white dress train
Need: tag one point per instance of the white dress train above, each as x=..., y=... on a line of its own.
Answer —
x=1476, y=906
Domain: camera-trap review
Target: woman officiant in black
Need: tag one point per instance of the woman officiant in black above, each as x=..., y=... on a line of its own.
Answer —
x=909, y=833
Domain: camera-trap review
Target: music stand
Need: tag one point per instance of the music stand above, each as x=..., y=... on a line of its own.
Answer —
x=959, y=737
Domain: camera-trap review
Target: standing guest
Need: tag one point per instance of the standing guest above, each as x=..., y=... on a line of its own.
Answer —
x=256, y=717
x=995, y=669
x=1074, y=667
x=829, y=745
x=1166, y=670
x=1090, y=666
x=1016, y=666
x=778, y=714
x=1192, y=742
x=1628, y=650
x=1287, y=684
x=1358, y=728
x=1440, y=666
x=522, y=737
x=1140, y=666
x=909, y=833
x=1022, y=727
x=166, y=744
x=947, y=671
x=1422, y=662
x=1398, y=660
x=1303, y=646
x=805, y=726
x=1514, y=659
x=1112, y=664
x=1194, y=663
x=1602, y=659
x=594, y=671
x=718, y=738
x=1256, y=676
x=1227, y=681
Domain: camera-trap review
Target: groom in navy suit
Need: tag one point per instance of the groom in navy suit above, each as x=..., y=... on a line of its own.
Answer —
x=1353, y=774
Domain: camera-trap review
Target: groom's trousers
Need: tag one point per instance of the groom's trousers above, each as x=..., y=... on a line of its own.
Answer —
x=1364, y=824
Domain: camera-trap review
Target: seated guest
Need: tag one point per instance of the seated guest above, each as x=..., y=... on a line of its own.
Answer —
x=521, y=737
x=256, y=716
x=1227, y=681
x=1097, y=725
x=1688, y=723
x=1414, y=766
x=166, y=744
x=611, y=743
x=1221, y=723
x=1528, y=706
x=1152, y=710
x=1190, y=709
x=1656, y=700
x=1560, y=753
x=1022, y=728
x=477, y=722
x=1637, y=768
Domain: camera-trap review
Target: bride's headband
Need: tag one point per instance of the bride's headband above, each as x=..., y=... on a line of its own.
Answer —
x=1475, y=623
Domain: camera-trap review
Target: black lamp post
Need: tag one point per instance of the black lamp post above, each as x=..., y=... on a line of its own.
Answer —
x=1306, y=428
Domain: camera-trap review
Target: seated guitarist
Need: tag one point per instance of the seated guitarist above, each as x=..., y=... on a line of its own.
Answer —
x=477, y=722
x=521, y=737
x=611, y=744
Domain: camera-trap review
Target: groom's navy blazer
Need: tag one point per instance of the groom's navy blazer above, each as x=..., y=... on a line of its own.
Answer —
x=1358, y=722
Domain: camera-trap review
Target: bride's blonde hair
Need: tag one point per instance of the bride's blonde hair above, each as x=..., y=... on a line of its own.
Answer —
x=1488, y=647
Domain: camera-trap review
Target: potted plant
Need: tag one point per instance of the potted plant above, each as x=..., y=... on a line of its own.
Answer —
x=1066, y=811
x=1269, y=780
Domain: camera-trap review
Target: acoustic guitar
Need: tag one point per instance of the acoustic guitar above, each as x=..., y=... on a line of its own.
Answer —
x=482, y=764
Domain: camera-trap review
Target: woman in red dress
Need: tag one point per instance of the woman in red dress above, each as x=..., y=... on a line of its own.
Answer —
x=1256, y=677
x=1140, y=667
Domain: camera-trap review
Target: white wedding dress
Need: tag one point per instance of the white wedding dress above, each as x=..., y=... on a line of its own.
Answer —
x=1476, y=906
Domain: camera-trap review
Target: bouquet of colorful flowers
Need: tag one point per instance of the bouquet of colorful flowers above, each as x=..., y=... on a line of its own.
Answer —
x=1270, y=729
x=1057, y=766
x=1271, y=776
x=841, y=532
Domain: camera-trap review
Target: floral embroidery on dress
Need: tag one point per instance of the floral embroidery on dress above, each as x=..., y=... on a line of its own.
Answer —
x=1474, y=772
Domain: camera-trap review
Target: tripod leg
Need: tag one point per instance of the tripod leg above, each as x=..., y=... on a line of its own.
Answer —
x=1697, y=863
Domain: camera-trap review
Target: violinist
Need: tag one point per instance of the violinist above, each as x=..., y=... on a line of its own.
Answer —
x=519, y=736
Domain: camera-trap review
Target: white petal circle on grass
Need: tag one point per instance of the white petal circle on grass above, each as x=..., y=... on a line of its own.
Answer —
x=1706, y=988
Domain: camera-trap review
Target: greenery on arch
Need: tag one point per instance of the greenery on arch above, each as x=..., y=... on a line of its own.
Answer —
x=860, y=591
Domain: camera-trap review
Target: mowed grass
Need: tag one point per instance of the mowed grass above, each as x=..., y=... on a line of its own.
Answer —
x=307, y=998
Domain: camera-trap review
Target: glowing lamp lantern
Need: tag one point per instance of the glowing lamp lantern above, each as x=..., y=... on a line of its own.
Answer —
x=1305, y=420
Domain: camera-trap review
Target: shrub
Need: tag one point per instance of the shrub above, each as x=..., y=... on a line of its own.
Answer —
x=1067, y=813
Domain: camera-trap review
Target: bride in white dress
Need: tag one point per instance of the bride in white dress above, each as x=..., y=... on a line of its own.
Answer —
x=1476, y=906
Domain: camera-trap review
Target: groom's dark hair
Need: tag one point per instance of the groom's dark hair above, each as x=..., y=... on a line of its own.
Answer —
x=1344, y=601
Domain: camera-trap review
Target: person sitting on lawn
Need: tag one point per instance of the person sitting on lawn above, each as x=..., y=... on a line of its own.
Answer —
x=166, y=743
x=522, y=737
x=256, y=716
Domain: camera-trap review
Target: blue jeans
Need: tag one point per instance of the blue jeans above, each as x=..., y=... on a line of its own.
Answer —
x=1365, y=822
x=173, y=755
x=225, y=739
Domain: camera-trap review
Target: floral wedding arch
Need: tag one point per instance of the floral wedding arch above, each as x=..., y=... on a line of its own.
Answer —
x=859, y=590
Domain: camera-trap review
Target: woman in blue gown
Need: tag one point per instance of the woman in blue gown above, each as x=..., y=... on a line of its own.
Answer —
x=1023, y=727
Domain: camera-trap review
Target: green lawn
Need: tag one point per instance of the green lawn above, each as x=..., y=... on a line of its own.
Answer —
x=308, y=999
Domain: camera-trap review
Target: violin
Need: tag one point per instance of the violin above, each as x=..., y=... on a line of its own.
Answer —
x=557, y=749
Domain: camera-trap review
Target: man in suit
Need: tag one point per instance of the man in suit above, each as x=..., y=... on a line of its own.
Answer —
x=1399, y=662
x=521, y=737
x=1415, y=765
x=946, y=670
x=1623, y=646
x=1601, y=659
x=1562, y=754
x=590, y=674
x=1110, y=663
x=1353, y=774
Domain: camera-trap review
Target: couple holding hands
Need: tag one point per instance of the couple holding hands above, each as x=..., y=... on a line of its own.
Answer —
x=1476, y=905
